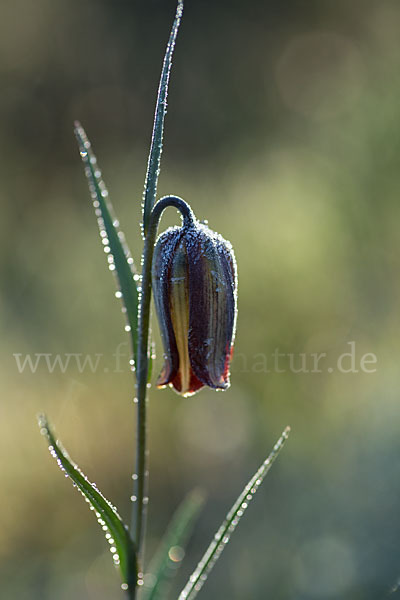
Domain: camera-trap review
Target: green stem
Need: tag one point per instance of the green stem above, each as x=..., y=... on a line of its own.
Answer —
x=140, y=498
x=131, y=592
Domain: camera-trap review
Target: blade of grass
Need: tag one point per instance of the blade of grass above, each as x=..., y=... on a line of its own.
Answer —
x=117, y=534
x=168, y=558
x=222, y=537
x=154, y=161
x=120, y=259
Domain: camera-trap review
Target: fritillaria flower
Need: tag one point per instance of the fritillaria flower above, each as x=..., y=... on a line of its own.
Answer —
x=194, y=284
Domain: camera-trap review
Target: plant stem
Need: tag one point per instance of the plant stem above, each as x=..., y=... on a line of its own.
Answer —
x=131, y=592
x=139, y=507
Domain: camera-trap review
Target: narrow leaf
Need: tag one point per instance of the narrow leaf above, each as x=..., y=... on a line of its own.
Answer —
x=167, y=560
x=117, y=534
x=119, y=257
x=221, y=538
x=154, y=161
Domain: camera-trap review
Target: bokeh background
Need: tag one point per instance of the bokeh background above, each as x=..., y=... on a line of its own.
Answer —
x=283, y=131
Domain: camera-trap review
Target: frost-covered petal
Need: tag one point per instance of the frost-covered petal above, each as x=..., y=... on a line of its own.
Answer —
x=212, y=312
x=162, y=260
x=185, y=382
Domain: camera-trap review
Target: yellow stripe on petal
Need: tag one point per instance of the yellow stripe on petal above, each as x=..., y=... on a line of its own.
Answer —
x=179, y=305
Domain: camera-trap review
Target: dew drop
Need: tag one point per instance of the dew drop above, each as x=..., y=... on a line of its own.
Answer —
x=176, y=554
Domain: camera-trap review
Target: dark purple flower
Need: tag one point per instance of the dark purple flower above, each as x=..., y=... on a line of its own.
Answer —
x=194, y=286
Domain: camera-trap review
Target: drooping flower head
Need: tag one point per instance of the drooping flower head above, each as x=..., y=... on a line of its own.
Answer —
x=194, y=284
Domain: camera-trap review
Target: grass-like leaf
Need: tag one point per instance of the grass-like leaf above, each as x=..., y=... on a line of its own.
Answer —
x=233, y=517
x=118, y=254
x=117, y=534
x=168, y=558
x=153, y=165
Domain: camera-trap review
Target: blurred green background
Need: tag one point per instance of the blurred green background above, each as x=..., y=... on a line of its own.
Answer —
x=283, y=131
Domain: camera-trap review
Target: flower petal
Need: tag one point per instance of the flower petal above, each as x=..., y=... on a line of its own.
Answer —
x=212, y=301
x=194, y=384
x=162, y=260
x=178, y=293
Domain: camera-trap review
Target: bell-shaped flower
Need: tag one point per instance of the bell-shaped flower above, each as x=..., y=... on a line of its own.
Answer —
x=194, y=285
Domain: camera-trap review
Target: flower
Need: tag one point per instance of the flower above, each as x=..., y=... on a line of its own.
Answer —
x=194, y=285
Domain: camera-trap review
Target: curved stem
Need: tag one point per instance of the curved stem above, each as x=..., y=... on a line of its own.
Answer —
x=140, y=499
x=178, y=203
